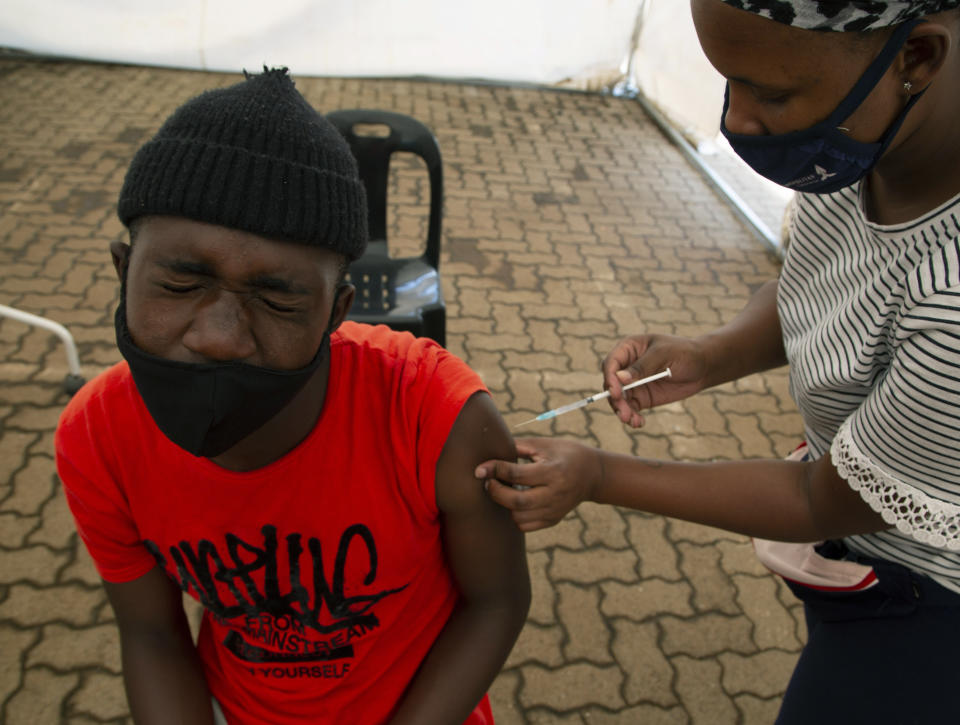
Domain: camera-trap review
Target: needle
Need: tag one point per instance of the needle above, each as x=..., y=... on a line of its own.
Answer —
x=593, y=398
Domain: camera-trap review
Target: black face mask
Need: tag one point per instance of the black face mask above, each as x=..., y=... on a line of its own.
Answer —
x=207, y=408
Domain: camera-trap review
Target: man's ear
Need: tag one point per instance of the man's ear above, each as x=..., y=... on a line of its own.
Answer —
x=342, y=304
x=924, y=54
x=120, y=253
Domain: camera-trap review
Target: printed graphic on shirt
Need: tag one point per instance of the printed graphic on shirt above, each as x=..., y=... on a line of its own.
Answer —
x=284, y=606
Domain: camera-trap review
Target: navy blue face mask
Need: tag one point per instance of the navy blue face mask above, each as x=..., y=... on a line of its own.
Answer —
x=822, y=159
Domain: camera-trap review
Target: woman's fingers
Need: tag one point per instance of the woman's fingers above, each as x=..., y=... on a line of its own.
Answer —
x=520, y=501
x=542, y=492
x=529, y=508
x=620, y=402
x=515, y=473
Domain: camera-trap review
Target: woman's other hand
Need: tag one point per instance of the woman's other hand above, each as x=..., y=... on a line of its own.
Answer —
x=559, y=475
x=642, y=355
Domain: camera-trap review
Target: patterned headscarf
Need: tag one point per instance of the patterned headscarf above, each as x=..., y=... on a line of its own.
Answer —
x=843, y=15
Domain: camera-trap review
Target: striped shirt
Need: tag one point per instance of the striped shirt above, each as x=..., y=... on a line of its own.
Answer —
x=871, y=325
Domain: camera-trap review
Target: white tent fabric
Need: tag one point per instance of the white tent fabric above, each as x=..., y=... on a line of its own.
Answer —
x=671, y=70
x=582, y=44
x=573, y=42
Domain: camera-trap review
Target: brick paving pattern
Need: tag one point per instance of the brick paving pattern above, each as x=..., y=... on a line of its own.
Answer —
x=569, y=222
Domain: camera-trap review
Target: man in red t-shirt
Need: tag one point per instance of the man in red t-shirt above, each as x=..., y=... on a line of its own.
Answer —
x=308, y=480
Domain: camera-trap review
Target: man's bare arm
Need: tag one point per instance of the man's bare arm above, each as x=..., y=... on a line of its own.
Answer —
x=487, y=555
x=161, y=669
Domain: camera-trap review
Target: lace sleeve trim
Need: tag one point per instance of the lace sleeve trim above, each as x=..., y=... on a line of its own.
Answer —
x=929, y=521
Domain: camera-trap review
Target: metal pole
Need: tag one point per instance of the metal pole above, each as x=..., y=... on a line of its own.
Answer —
x=74, y=378
x=626, y=87
x=750, y=218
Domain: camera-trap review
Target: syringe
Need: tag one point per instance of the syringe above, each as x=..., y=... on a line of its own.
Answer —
x=597, y=396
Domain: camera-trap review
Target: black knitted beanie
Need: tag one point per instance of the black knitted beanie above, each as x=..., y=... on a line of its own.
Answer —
x=257, y=157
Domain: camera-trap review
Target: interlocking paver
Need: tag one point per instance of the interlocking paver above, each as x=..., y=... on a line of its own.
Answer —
x=568, y=534
x=737, y=557
x=34, y=564
x=55, y=526
x=594, y=565
x=41, y=697
x=650, y=598
x=706, y=635
x=539, y=644
x=773, y=627
x=31, y=486
x=701, y=694
x=14, y=529
x=658, y=555
x=66, y=648
x=646, y=714
x=572, y=686
x=604, y=525
x=569, y=222
x=704, y=447
x=757, y=711
x=588, y=636
x=14, y=643
x=712, y=588
x=649, y=675
x=98, y=698
x=28, y=605
x=538, y=716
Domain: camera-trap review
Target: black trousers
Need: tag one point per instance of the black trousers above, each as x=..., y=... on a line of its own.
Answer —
x=889, y=655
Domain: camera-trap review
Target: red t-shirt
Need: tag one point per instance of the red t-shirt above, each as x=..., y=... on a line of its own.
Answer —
x=322, y=574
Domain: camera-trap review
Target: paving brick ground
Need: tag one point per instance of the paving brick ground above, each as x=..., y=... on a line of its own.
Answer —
x=569, y=222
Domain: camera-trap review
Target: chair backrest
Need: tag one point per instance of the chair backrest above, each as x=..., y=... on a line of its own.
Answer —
x=373, y=159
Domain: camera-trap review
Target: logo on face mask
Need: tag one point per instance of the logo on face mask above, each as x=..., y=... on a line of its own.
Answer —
x=800, y=160
x=822, y=173
x=819, y=174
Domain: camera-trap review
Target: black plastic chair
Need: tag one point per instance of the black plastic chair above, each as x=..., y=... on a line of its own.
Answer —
x=401, y=292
